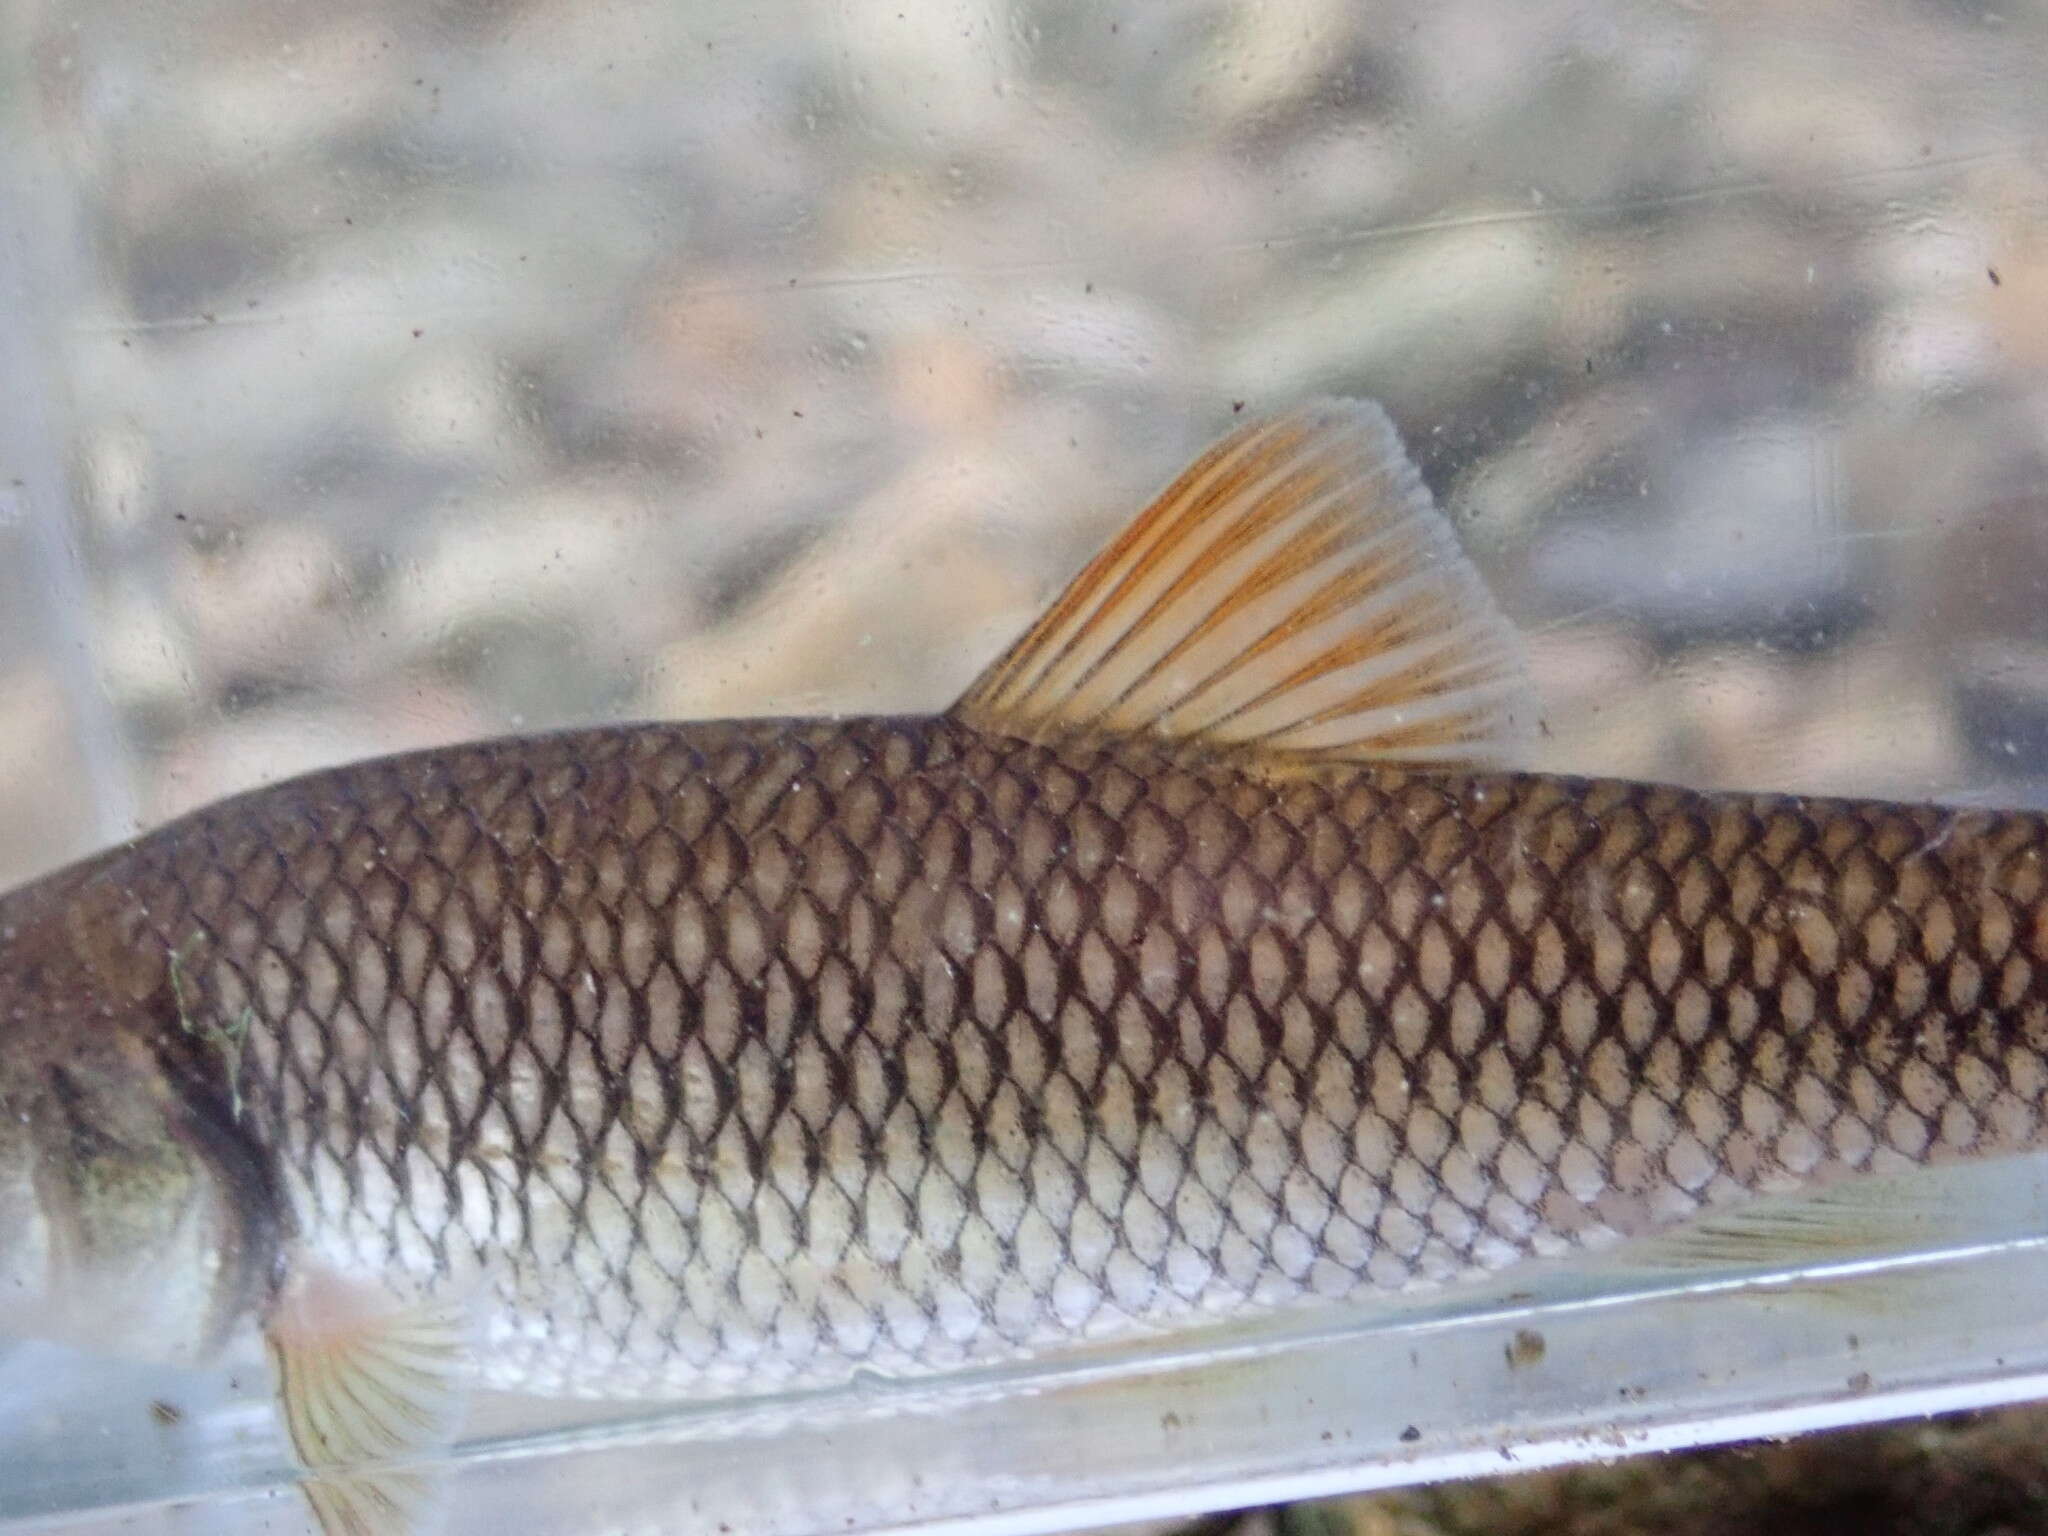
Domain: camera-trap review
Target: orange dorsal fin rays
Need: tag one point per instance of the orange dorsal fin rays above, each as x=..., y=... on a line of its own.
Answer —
x=1294, y=594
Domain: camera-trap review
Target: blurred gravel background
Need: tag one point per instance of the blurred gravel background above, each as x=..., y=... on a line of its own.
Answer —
x=382, y=374
x=1976, y=1474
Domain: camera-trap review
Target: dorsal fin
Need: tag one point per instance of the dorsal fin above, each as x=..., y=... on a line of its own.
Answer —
x=1295, y=594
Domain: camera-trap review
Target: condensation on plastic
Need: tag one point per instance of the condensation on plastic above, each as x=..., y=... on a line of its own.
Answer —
x=381, y=374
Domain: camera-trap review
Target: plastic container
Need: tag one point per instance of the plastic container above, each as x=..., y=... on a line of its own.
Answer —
x=381, y=375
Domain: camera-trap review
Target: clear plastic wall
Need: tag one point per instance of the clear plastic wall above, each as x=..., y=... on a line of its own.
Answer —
x=385, y=374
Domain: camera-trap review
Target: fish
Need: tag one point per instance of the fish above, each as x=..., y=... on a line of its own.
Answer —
x=1210, y=956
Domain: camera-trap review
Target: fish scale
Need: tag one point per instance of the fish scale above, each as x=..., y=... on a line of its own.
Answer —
x=892, y=1044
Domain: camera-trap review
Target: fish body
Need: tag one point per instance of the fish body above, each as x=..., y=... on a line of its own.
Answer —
x=727, y=1056
x=1188, y=968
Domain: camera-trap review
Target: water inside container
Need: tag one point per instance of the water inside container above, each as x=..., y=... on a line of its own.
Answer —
x=382, y=376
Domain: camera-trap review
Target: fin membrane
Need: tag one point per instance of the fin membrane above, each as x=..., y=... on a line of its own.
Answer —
x=1865, y=1216
x=1294, y=593
x=369, y=1391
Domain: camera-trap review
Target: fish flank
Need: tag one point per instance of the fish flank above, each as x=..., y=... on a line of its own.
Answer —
x=1197, y=989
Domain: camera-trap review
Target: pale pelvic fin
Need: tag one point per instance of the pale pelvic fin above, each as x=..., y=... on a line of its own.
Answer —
x=372, y=1393
x=1295, y=594
x=393, y=1502
x=1862, y=1217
